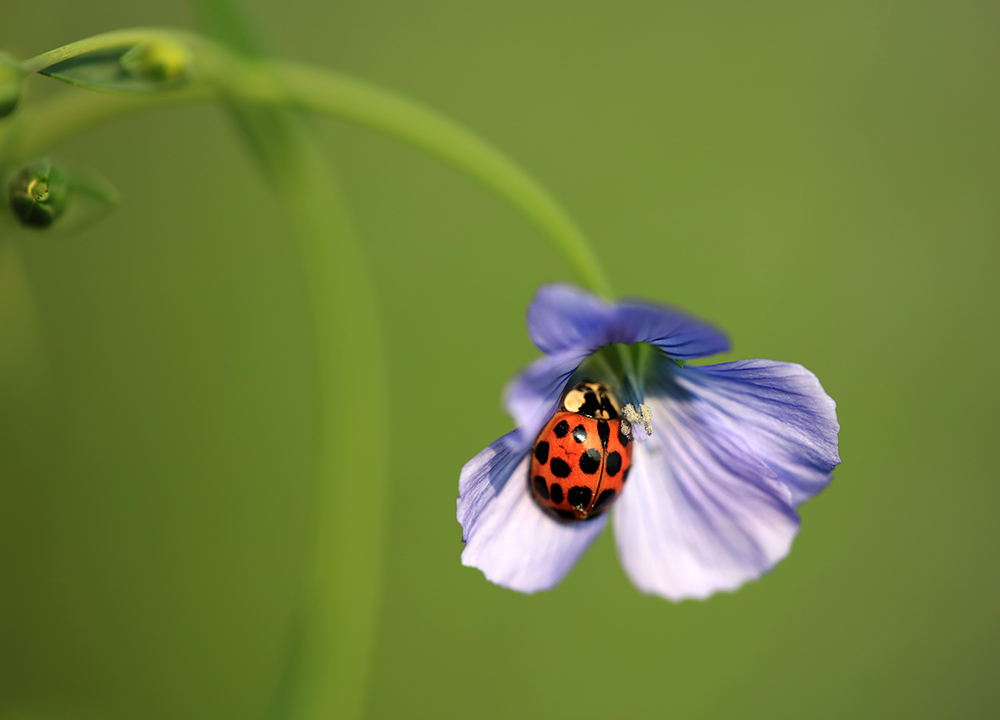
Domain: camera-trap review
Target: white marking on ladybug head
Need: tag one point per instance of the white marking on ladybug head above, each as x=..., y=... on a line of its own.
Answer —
x=593, y=399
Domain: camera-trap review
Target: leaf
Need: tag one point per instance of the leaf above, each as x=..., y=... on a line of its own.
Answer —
x=92, y=199
x=143, y=68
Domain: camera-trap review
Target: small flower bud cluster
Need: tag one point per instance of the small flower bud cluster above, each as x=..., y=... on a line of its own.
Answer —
x=38, y=193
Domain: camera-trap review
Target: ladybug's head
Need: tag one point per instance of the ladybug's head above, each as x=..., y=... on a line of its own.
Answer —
x=592, y=399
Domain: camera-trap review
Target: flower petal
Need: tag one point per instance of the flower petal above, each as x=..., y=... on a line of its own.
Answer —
x=563, y=317
x=780, y=410
x=484, y=476
x=532, y=397
x=675, y=333
x=507, y=535
x=701, y=513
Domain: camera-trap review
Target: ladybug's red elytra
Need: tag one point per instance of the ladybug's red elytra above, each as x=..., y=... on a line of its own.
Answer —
x=581, y=459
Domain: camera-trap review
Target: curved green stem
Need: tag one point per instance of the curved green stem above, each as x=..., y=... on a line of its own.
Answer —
x=336, y=649
x=109, y=41
x=359, y=102
x=44, y=125
x=345, y=98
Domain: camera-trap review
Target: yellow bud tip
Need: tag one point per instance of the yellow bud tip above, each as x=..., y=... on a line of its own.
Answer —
x=38, y=189
x=157, y=61
x=38, y=193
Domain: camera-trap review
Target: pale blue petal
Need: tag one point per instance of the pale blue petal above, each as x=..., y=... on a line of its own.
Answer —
x=507, y=535
x=563, y=317
x=700, y=513
x=484, y=476
x=675, y=333
x=532, y=397
x=780, y=410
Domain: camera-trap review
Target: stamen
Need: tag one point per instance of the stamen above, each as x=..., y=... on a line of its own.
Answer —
x=637, y=416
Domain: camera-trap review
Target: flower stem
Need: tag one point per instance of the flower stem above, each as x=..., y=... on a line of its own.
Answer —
x=352, y=100
x=328, y=668
x=341, y=603
x=109, y=41
x=359, y=102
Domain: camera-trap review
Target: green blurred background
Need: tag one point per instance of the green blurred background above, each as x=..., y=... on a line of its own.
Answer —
x=820, y=179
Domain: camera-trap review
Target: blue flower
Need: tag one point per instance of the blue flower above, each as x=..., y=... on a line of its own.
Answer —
x=710, y=502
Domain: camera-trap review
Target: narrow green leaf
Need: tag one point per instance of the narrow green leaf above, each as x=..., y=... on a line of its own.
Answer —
x=92, y=199
x=148, y=67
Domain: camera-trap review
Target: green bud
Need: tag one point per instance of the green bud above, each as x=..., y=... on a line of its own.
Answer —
x=38, y=193
x=157, y=61
x=10, y=84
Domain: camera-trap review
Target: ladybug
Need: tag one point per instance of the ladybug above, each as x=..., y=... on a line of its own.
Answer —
x=581, y=459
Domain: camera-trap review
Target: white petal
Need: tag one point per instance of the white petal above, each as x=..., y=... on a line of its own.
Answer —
x=507, y=535
x=700, y=513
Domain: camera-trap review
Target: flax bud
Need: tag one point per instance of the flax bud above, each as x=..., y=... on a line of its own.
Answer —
x=38, y=193
x=157, y=61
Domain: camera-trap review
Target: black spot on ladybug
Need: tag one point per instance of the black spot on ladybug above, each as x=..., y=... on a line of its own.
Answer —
x=591, y=405
x=559, y=467
x=541, y=488
x=603, y=432
x=565, y=514
x=556, y=493
x=607, y=407
x=580, y=434
x=561, y=428
x=614, y=463
x=622, y=438
x=604, y=498
x=625, y=476
x=542, y=452
x=589, y=462
x=579, y=497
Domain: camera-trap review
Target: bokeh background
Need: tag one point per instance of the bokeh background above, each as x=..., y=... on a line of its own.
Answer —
x=821, y=179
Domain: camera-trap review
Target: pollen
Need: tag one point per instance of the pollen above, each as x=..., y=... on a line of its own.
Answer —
x=641, y=415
